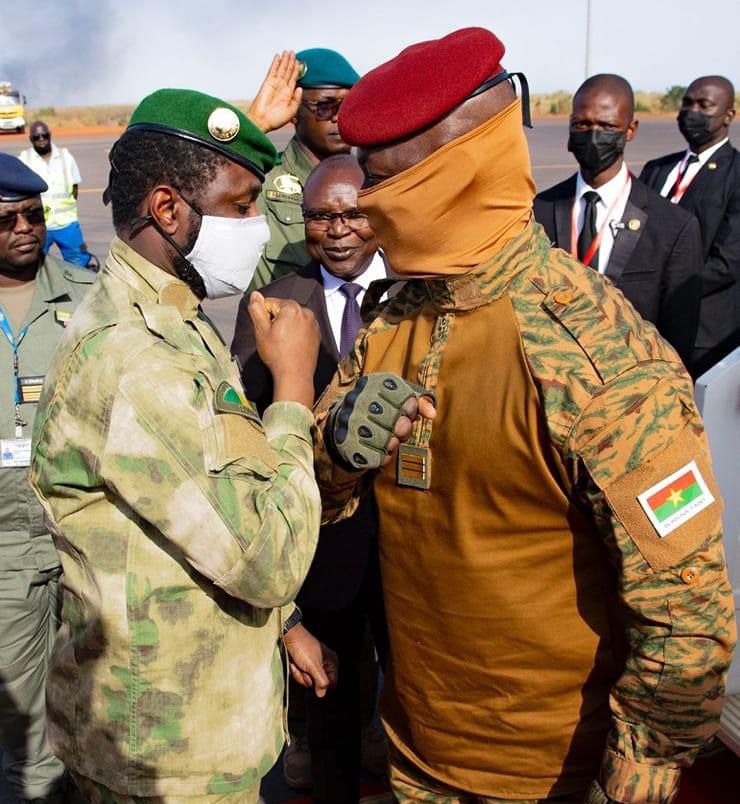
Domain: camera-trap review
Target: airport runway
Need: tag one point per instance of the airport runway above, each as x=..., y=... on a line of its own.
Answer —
x=547, y=140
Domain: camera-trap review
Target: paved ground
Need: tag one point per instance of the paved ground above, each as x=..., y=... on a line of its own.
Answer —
x=710, y=784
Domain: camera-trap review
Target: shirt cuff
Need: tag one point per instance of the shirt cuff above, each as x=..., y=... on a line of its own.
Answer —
x=630, y=782
x=288, y=418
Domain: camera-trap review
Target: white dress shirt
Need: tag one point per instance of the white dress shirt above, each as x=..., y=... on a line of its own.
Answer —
x=694, y=168
x=613, y=195
x=335, y=300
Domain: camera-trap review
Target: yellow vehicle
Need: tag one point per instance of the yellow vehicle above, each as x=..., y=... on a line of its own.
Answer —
x=11, y=109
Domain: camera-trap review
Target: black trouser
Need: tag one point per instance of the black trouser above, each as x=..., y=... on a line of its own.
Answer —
x=334, y=723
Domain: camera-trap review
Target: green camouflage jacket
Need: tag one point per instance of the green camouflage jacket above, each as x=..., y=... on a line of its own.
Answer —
x=184, y=523
x=618, y=407
x=25, y=542
x=281, y=201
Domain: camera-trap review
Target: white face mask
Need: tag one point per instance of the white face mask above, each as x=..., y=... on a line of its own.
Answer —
x=227, y=251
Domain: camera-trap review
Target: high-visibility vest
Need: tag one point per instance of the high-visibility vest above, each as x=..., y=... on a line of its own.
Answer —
x=60, y=205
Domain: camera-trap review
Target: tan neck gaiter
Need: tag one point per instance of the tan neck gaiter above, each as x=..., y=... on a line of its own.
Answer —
x=457, y=208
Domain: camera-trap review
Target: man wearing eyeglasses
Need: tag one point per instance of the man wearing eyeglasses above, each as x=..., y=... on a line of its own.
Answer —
x=342, y=590
x=58, y=168
x=37, y=297
x=327, y=78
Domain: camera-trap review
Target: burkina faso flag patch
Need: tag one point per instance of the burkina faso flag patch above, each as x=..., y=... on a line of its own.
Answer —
x=676, y=499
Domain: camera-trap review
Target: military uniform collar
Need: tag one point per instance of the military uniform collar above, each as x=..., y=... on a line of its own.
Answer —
x=490, y=280
x=294, y=159
x=150, y=280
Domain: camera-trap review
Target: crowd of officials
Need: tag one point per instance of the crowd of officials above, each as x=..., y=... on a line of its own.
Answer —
x=454, y=440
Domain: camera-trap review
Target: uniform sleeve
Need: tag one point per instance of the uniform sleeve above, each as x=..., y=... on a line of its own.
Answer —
x=678, y=317
x=236, y=498
x=722, y=265
x=645, y=473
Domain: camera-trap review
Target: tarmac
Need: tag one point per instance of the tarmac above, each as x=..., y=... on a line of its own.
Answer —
x=712, y=781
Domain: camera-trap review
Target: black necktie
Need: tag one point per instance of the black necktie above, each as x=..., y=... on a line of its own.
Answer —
x=588, y=231
x=351, y=320
x=693, y=158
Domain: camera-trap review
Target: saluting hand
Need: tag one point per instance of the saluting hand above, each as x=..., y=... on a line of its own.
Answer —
x=278, y=98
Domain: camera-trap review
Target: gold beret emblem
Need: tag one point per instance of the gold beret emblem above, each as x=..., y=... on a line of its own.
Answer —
x=633, y=224
x=223, y=124
x=302, y=69
x=288, y=184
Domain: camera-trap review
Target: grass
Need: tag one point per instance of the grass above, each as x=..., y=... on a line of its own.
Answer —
x=543, y=105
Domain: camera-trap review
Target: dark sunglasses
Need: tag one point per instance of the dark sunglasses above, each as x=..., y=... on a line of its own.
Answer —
x=37, y=137
x=323, y=110
x=34, y=217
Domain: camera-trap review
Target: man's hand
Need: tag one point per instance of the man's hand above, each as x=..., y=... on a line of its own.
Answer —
x=366, y=427
x=278, y=98
x=312, y=664
x=287, y=337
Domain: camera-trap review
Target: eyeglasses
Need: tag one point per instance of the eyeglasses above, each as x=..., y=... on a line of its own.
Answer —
x=34, y=217
x=323, y=110
x=37, y=137
x=321, y=221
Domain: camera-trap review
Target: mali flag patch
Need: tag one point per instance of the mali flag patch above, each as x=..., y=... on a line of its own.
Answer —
x=676, y=499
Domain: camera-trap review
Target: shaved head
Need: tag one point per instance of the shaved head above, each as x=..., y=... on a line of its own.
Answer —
x=723, y=88
x=711, y=97
x=609, y=84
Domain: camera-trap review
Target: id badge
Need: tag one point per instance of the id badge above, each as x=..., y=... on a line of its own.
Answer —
x=15, y=452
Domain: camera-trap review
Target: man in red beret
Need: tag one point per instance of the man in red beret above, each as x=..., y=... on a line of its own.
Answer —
x=560, y=616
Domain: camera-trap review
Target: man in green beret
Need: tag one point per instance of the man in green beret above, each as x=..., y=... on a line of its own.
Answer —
x=325, y=78
x=186, y=523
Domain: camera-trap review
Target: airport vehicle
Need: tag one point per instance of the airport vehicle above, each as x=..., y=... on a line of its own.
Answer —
x=11, y=109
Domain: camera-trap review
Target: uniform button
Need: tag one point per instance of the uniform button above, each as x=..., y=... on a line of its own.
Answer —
x=689, y=575
x=563, y=297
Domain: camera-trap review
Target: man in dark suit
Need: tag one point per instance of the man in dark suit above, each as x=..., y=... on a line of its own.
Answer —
x=705, y=180
x=612, y=222
x=342, y=590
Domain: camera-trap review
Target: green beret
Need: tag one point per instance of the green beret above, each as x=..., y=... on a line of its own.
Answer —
x=325, y=68
x=208, y=121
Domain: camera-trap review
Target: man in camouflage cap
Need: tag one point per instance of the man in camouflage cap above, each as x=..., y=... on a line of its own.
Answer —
x=559, y=611
x=186, y=524
x=325, y=79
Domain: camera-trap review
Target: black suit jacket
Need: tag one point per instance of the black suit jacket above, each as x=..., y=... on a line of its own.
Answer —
x=657, y=266
x=714, y=197
x=344, y=548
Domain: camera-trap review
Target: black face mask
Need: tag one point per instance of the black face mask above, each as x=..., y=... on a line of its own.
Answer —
x=596, y=150
x=695, y=127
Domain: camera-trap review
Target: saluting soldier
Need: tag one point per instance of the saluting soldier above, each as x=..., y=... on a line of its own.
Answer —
x=186, y=523
x=561, y=621
x=38, y=295
x=325, y=79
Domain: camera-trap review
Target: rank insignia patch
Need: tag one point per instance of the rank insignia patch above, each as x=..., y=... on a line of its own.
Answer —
x=62, y=317
x=676, y=499
x=30, y=388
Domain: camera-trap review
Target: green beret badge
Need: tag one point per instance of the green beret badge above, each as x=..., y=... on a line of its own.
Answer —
x=223, y=124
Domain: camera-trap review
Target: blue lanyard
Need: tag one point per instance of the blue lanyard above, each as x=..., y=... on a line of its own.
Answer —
x=14, y=344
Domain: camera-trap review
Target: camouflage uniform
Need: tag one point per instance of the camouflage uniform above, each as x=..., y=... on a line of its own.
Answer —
x=616, y=409
x=184, y=524
x=281, y=201
x=29, y=564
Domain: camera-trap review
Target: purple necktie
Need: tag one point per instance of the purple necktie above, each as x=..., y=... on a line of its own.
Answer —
x=351, y=320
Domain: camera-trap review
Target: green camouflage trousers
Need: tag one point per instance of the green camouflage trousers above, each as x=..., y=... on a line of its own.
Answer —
x=90, y=792
x=409, y=785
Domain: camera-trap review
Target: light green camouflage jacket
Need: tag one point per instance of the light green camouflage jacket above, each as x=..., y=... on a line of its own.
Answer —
x=184, y=523
x=25, y=543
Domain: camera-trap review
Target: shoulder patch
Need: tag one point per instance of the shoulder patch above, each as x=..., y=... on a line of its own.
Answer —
x=230, y=400
x=670, y=505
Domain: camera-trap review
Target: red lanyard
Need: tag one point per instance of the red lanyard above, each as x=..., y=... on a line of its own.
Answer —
x=593, y=248
x=678, y=189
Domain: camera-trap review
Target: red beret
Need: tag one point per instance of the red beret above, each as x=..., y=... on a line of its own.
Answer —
x=420, y=86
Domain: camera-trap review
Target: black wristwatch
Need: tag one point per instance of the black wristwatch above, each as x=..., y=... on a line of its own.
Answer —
x=295, y=619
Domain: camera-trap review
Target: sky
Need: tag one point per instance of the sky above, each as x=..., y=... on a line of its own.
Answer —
x=77, y=52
